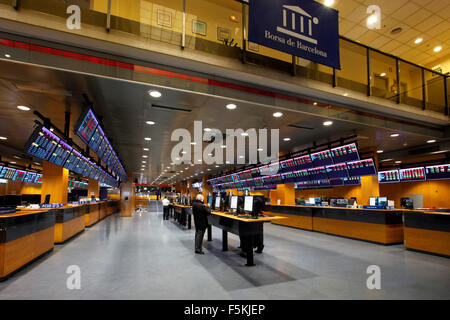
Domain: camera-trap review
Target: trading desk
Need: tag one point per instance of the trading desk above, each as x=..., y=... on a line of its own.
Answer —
x=240, y=225
x=183, y=215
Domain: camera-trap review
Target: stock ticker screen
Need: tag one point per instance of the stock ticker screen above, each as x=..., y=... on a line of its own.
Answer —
x=42, y=143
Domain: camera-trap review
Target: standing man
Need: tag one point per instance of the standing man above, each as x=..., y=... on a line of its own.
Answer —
x=200, y=212
x=165, y=203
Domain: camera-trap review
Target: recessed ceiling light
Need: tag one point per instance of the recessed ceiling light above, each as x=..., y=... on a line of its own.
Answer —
x=231, y=106
x=199, y=160
x=16, y=157
x=208, y=169
x=7, y=55
x=287, y=139
x=380, y=151
x=329, y=3
x=13, y=162
x=207, y=129
x=398, y=162
x=328, y=123
x=183, y=152
x=244, y=134
x=315, y=103
x=242, y=157
x=210, y=154
x=148, y=139
x=345, y=94
x=192, y=165
x=23, y=108
x=431, y=141
x=217, y=166
x=51, y=129
x=437, y=49
x=144, y=161
x=193, y=143
x=278, y=114
x=383, y=74
x=3, y=138
x=146, y=149
x=260, y=149
x=155, y=94
x=395, y=135
x=418, y=40
x=223, y=147
x=144, y=156
x=150, y=122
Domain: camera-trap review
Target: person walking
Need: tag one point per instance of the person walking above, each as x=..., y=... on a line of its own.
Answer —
x=200, y=212
x=165, y=203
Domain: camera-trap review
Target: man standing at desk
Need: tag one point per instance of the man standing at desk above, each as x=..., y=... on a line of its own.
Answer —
x=200, y=212
x=165, y=203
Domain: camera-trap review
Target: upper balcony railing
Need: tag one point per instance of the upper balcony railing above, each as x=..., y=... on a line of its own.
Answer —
x=219, y=27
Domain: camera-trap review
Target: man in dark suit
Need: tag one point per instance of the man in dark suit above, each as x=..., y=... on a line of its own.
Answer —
x=200, y=212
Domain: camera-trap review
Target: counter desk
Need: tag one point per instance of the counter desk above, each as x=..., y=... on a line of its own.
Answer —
x=183, y=215
x=24, y=237
x=69, y=221
x=92, y=215
x=379, y=226
x=244, y=226
x=427, y=232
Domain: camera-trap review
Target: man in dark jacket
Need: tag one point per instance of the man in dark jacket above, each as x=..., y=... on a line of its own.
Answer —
x=200, y=212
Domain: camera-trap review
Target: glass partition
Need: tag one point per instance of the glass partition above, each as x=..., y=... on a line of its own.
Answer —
x=353, y=73
x=383, y=76
x=411, y=85
x=434, y=83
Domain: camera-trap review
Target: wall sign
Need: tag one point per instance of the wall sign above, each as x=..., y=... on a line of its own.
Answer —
x=303, y=28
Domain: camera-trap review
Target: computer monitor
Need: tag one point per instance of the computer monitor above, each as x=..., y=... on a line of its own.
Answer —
x=373, y=201
x=383, y=201
x=31, y=198
x=248, y=204
x=47, y=199
x=234, y=203
x=217, y=203
x=312, y=200
x=13, y=200
x=210, y=201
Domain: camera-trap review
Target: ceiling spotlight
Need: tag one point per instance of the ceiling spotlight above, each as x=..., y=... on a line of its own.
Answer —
x=278, y=114
x=244, y=134
x=146, y=149
x=431, y=141
x=148, y=139
x=13, y=162
x=346, y=94
x=223, y=147
x=144, y=161
x=329, y=3
x=418, y=40
x=231, y=106
x=395, y=135
x=383, y=74
x=380, y=151
x=328, y=123
x=51, y=129
x=23, y=108
x=3, y=138
x=155, y=94
x=144, y=156
x=437, y=49
x=207, y=129
x=287, y=139
x=217, y=166
x=242, y=157
x=150, y=122
x=193, y=143
x=7, y=55
x=315, y=103
x=260, y=149
x=398, y=162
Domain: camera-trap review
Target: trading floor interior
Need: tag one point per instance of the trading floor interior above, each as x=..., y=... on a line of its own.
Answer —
x=353, y=205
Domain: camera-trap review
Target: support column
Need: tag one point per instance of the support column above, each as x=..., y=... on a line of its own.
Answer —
x=127, y=197
x=55, y=182
x=285, y=193
x=93, y=188
x=369, y=188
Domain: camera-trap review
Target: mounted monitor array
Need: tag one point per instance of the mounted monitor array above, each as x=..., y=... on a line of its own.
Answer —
x=90, y=131
x=333, y=167
x=437, y=172
x=20, y=175
x=73, y=184
x=45, y=145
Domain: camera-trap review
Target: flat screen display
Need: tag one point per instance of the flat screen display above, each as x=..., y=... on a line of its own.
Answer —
x=391, y=176
x=336, y=182
x=303, y=162
x=38, y=178
x=413, y=174
x=60, y=154
x=438, y=172
x=81, y=165
x=352, y=181
x=72, y=161
x=345, y=153
x=248, y=203
x=30, y=177
x=382, y=201
x=234, y=202
x=373, y=201
x=87, y=127
x=361, y=168
x=322, y=158
x=7, y=173
x=210, y=201
x=337, y=171
x=41, y=143
x=97, y=142
x=318, y=173
x=19, y=175
x=217, y=204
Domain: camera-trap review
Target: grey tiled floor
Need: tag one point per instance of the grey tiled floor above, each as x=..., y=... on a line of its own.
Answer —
x=144, y=257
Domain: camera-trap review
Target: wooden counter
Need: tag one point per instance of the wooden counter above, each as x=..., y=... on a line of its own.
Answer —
x=427, y=232
x=69, y=221
x=92, y=215
x=24, y=236
x=379, y=226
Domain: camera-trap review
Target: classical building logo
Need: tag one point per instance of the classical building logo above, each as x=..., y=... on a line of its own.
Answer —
x=298, y=23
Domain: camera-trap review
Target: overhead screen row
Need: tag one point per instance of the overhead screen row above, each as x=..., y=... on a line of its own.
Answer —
x=20, y=175
x=90, y=131
x=47, y=146
x=438, y=172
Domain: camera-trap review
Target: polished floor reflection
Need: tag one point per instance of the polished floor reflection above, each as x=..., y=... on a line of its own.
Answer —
x=144, y=257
